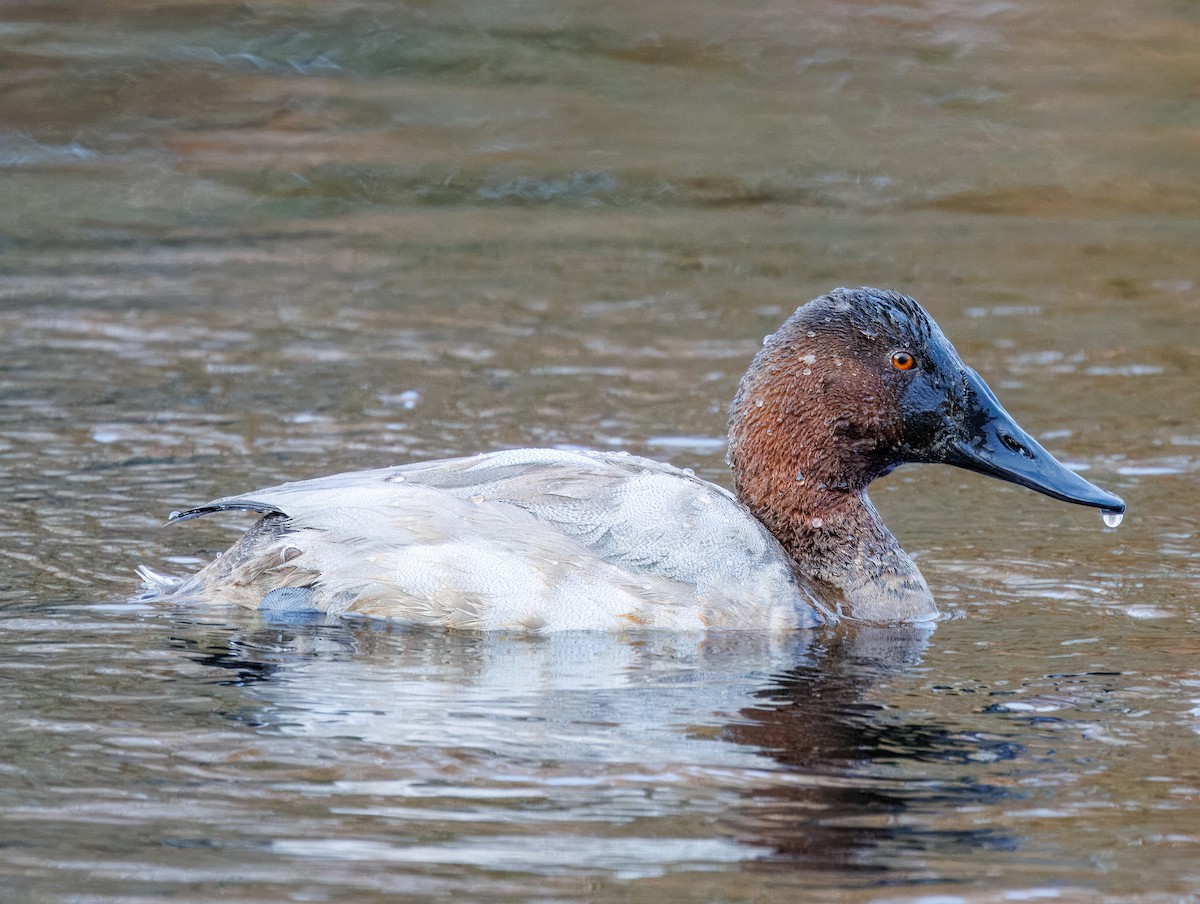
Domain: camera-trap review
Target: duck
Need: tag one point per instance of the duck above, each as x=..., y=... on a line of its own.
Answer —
x=854, y=384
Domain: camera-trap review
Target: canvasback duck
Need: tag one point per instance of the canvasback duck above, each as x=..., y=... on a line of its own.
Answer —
x=852, y=385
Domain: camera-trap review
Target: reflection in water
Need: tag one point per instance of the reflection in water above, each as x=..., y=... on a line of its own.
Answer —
x=824, y=720
x=786, y=741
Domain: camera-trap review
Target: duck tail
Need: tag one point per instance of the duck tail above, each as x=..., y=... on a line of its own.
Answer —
x=155, y=584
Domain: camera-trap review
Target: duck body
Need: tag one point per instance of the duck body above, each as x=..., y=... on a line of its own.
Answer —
x=526, y=540
x=854, y=384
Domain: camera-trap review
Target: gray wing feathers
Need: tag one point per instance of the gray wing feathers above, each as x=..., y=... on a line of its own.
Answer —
x=509, y=536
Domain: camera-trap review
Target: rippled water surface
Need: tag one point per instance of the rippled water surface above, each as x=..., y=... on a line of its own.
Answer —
x=243, y=243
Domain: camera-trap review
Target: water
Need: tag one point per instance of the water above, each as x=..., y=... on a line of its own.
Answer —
x=1111, y=517
x=248, y=244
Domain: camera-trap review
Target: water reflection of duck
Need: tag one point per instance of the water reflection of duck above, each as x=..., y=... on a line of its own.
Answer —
x=792, y=745
x=862, y=784
x=853, y=384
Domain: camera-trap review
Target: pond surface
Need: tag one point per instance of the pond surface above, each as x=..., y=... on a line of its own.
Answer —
x=243, y=243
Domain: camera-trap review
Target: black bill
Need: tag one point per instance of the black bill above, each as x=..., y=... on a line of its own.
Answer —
x=993, y=444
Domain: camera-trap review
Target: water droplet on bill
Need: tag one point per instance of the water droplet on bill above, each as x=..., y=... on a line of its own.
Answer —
x=1112, y=518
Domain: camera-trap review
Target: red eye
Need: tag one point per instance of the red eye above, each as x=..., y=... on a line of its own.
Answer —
x=903, y=361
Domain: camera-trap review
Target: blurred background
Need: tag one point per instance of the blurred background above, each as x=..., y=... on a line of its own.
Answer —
x=242, y=243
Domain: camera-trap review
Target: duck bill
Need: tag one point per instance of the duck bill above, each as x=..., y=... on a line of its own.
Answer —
x=993, y=444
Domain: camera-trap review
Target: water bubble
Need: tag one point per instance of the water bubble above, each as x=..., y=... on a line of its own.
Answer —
x=1112, y=518
x=407, y=400
x=758, y=403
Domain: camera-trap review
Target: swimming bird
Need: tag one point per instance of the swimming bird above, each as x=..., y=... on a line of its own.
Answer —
x=852, y=385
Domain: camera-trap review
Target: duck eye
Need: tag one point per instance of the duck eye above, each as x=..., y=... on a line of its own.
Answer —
x=903, y=361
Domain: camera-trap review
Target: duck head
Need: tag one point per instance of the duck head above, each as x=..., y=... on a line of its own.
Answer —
x=852, y=385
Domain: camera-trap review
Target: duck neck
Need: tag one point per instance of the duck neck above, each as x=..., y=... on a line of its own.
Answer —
x=816, y=505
